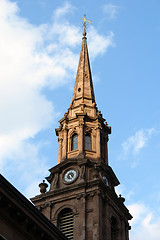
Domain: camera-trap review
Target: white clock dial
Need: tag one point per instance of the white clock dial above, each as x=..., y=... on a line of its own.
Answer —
x=105, y=180
x=70, y=175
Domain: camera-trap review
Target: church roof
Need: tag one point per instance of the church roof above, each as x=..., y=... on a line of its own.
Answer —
x=19, y=217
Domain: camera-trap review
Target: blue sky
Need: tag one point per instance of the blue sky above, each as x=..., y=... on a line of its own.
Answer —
x=39, y=50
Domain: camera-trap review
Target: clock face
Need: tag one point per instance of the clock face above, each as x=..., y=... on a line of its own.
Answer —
x=70, y=176
x=105, y=180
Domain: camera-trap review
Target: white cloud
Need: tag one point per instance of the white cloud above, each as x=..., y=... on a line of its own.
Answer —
x=98, y=44
x=145, y=224
x=28, y=167
x=33, y=58
x=138, y=211
x=110, y=10
x=138, y=141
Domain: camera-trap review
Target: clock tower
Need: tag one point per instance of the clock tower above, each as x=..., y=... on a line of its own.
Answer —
x=81, y=199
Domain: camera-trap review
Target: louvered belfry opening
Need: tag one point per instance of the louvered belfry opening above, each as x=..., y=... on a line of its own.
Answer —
x=65, y=222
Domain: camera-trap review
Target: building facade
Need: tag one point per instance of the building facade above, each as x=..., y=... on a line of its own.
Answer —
x=82, y=200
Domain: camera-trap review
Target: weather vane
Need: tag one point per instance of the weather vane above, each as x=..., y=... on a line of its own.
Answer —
x=85, y=22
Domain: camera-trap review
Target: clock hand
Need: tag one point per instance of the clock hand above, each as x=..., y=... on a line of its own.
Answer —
x=70, y=175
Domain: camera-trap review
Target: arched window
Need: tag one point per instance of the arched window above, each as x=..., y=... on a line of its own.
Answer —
x=114, y=229
x=74, y=142
x=65, y=222
x=88, y=143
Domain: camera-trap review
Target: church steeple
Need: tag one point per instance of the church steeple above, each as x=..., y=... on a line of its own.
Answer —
x=83, y=89
x=82, y=200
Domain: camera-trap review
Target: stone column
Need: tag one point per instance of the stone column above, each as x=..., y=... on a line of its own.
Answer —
x=64, y=152
x=122, y=230
x=81, y=138
x=60, y=149
x=83, y=215
x=96, y=217
x=98, y=142
x=94, y=140
x=106, y=150
x=80, y=232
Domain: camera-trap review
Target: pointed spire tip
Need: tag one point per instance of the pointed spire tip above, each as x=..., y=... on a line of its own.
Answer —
x=84, y=32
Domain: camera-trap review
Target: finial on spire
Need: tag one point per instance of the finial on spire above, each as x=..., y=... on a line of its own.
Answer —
x=85, y=22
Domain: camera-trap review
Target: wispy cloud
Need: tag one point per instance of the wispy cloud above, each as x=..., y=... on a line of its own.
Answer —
x=33, y=58
x=98, y=44
x=110, y=10
x=138, y=141
x=63, y=10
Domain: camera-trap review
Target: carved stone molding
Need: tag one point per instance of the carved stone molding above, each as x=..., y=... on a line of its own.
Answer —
x=82, y=175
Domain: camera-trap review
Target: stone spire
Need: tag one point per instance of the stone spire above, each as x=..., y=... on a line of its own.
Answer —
x=83, y=121
x=83, y=89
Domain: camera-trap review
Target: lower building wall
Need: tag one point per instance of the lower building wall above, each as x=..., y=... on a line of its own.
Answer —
x=10, y=232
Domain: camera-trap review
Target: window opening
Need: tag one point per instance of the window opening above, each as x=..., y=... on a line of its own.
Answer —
x=74, y=142
x=88, y=144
